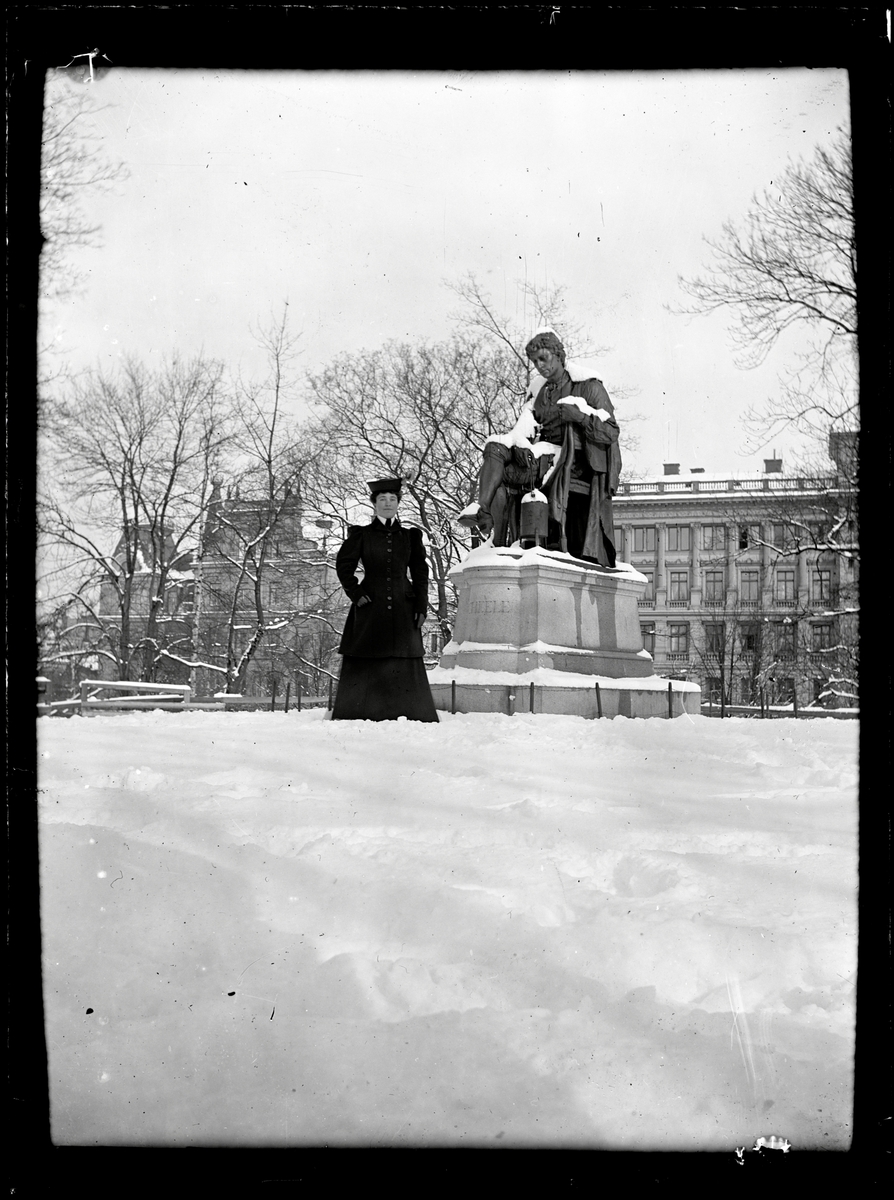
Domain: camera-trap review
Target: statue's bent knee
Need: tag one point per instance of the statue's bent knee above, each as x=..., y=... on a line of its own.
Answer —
x=497, y=450
x=490, y=479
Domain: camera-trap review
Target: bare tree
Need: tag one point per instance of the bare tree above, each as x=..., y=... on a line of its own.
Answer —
x=262, y=587
x=785, y=589
x=73, y=165
x=812, y=531
x=420, y=412
x=127, y=479
x=733, y=646
x=793, y=266
x=541, y=306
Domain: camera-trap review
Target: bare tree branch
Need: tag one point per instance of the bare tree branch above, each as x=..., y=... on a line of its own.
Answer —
x=794, y=263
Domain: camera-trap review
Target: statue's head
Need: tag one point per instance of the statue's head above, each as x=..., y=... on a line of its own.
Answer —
x=546, y=340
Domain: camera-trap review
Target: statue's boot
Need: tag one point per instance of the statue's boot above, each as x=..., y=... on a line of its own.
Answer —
x=489, y=485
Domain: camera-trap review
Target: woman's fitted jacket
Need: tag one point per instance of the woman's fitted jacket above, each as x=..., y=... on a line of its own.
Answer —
x=396, y=582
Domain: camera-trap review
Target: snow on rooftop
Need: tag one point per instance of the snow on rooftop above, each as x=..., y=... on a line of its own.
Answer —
x=749, y=475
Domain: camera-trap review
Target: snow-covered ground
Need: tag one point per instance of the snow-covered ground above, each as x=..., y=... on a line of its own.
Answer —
x=271, y=929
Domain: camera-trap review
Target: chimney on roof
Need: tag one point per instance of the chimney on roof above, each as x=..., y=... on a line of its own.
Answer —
x=672, y=468
x=843, y=448
x=772, y=466
x=696, y=470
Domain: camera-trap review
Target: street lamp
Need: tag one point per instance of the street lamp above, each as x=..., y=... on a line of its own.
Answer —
x=325, y=523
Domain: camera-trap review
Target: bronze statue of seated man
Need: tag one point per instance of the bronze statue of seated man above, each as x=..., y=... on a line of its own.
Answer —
x=565, y=445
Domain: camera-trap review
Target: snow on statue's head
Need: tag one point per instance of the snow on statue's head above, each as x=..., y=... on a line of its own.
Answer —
x=546, y=339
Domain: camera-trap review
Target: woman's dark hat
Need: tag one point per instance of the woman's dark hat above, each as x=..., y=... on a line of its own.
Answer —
x=376, y=486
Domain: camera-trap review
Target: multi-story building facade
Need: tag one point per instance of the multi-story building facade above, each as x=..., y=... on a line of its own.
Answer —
x=209, y=613
x=302, y=602
x=752, y=581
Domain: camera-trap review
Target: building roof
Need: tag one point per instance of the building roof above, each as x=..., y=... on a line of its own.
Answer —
x=699, y=483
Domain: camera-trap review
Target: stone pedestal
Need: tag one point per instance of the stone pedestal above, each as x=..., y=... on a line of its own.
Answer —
x=539, y=617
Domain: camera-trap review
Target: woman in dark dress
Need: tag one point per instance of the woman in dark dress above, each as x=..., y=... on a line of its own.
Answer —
x=383, y=675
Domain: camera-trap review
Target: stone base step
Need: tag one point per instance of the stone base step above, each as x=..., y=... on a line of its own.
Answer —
x=611, y=700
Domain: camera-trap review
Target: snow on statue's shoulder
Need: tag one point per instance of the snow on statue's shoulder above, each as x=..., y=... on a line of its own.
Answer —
x=580, y=370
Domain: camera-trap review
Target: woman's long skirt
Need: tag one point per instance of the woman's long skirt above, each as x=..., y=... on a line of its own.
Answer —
x=383, y=689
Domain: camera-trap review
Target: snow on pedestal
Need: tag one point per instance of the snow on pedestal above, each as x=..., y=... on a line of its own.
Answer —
x=544, y=618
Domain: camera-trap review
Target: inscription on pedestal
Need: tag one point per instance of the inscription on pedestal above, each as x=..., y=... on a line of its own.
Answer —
x=485, y=607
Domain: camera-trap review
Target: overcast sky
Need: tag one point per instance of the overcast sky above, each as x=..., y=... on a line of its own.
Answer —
x=355, y=195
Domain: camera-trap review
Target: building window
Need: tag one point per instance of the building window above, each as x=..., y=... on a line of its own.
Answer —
x=712, y=687
x=821, y=636
x=785, y=585
x=746, y=691
x=749, y=592
x=714, y=537
x=818, y=687
x=644, y=539
x=749, y=638
x=749, y=535
x=785, y=690
x=714, y=587
x=714, y=638
x=781, y=536
x=679, y=586
x=678, y=537
x=678, y=639
x=648, y=633
x=785, y=639
x=649, y=593
x=822, y=586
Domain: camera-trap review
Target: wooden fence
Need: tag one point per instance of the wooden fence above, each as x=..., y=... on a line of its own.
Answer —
x=173, y=697
x=776, y=711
